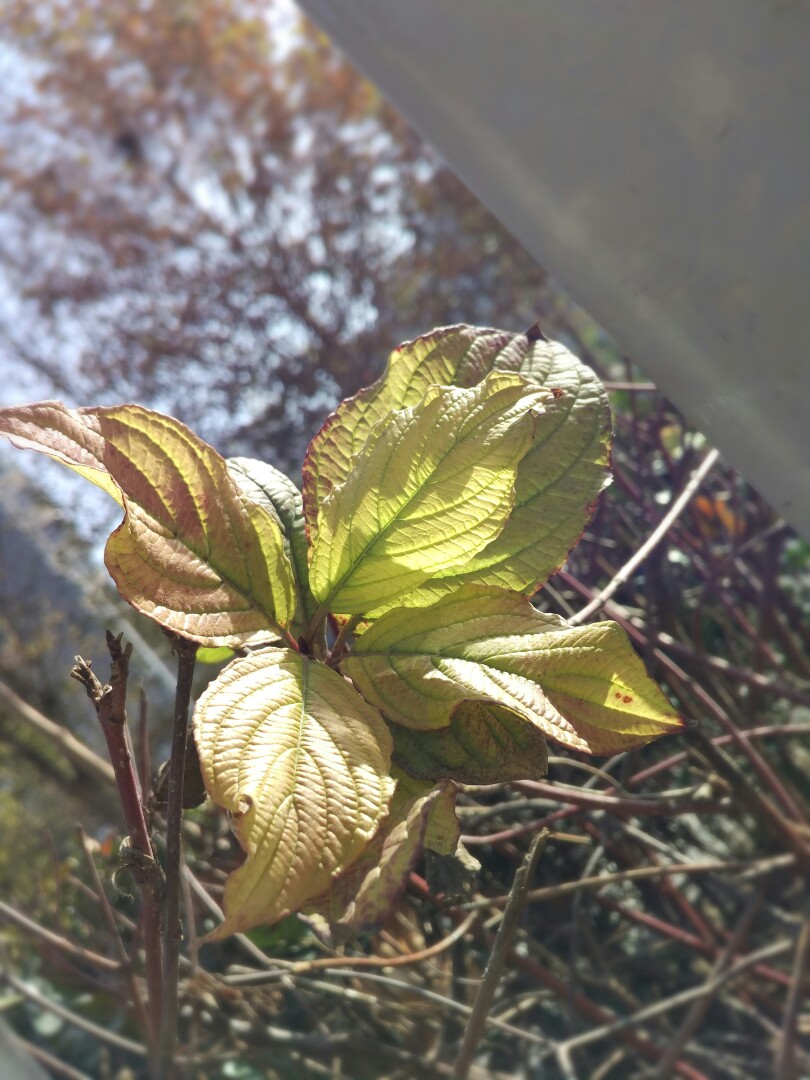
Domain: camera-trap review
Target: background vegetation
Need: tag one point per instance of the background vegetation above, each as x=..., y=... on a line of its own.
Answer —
x=204, y=209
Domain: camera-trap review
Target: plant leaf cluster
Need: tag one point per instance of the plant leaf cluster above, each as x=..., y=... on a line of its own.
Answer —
x=434, y=505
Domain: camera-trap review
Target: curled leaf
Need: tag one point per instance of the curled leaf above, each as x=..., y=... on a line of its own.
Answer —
x=582, y=686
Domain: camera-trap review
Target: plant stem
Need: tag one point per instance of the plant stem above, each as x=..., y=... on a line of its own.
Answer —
x=343, y=635
x=138, y=856
x=172, y=932
x=497, y=959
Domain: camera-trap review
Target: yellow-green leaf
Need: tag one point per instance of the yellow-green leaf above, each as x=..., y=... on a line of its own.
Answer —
x=484, y=743
x=302, y=764
x=192, y=552
x=70, y=436
x=582, y=686
x=453, y=356
x=280, y=497
x=558, y=480
x=362, y=897
x=431, y=485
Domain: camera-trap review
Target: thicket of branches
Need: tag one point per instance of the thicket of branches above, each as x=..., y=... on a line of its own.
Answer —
x=206, y=210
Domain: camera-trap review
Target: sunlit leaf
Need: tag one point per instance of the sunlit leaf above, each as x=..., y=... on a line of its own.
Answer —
x=302, y=764
x=70, y=436
x=582, y=686
x=279, y=495
x=483, y=744
x=455, y=356
x=431, y=486
x=193, y=552
x=214, y=655
x=363, y=897
x=557, y=481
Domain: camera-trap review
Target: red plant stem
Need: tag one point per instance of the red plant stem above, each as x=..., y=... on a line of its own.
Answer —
x=677, y=933
x=172, y=932
x=110, y=704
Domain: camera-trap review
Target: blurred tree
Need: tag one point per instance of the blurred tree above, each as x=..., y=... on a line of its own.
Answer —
x=205, y=208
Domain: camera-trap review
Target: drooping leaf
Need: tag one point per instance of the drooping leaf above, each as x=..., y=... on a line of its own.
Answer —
x=70, y=436
x=443, y=828
x=279, y=495
x=483, y=744
x=302, y=764
x=192, y=552
x=363, y=896
x=558, y=481
x=431, y=485
x=582, y=686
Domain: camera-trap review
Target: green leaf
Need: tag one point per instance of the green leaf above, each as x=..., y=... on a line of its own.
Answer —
x=280, y=497
x=431, y=485
x=193, y=553
x=362, y=897
x=214, y=656
x=582, y=686
x=558, y=481
x=456, y=356
x=70, y=436
x=483, y=744
x=302, y=763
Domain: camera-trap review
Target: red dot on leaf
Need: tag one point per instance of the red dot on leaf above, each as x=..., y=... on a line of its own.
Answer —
x=627, y=699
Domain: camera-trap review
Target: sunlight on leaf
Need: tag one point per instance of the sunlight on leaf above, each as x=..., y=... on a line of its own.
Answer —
x=69, y=436
x=558, y=480
x=582, y=686
x=193, y=553
x=301, y=762
x=432, y=485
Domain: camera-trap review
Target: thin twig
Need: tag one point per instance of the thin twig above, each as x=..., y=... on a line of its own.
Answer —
x=701, y=1005
x=102, y=1034
x=637, y=873
x=172, y=932
x=56, y=941
x=114, y=933
x=786, y=1066
x=651, y=1012
x=497, y=959
x=88, y=763
x=652, y=541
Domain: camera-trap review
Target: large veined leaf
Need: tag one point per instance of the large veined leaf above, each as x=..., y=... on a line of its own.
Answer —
x=483, y=744
x=456, y=356
x=432, y=485
x=302, y=764
x=362, y=897
x=279, y=495
x=582, y=686
x=557, y=481
x=192, y=552
x=70, y=436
